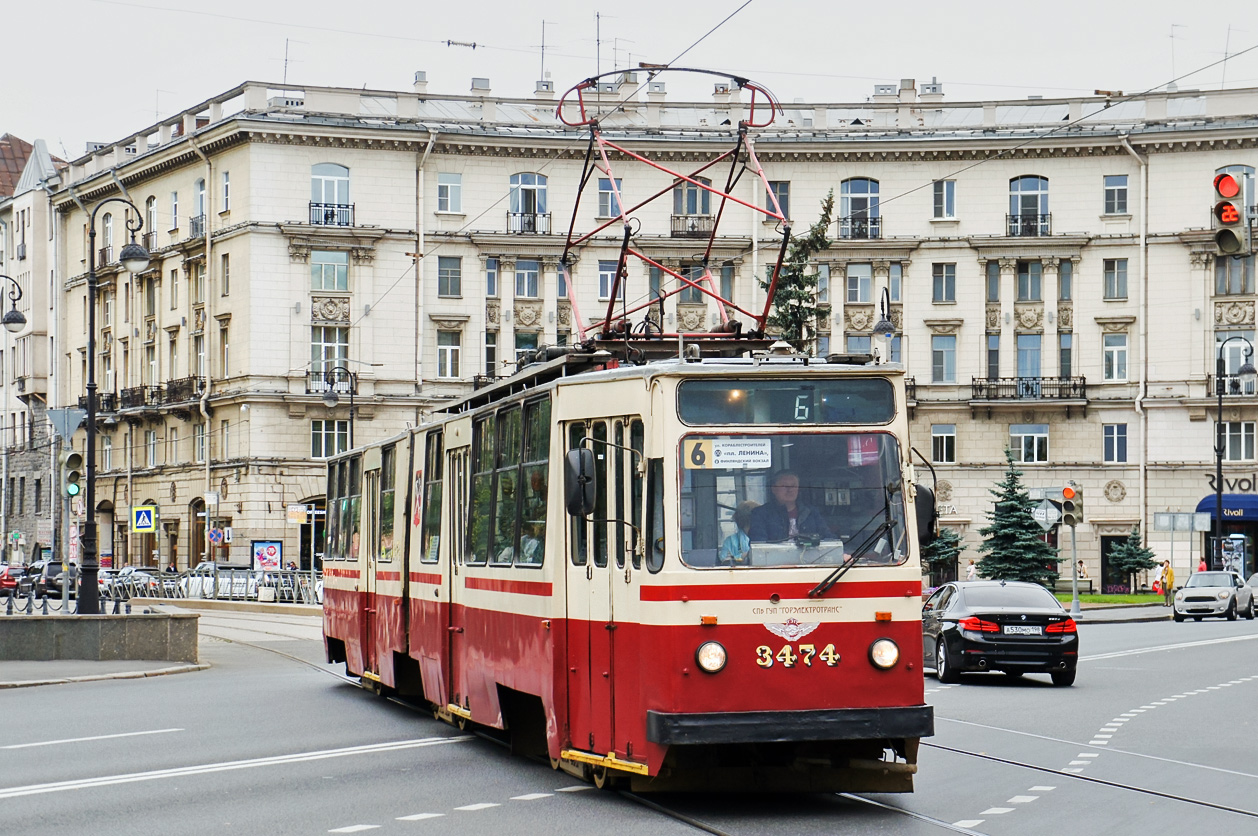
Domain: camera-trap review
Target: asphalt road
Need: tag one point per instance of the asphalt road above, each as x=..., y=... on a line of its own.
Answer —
x=1157, y=736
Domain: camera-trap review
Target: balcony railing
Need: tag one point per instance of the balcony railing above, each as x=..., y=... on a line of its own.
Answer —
x=105, y=402
x=131, y=397
x=1029, y=388
x=693, y=226
x=1231, y=386
x=196, y=226
x=150, y=241
x=340, y=382
x=860, y=228
x=184, y=389
x=537, y=223
x=1029, y=226
x=332, y=214
x=105, y=255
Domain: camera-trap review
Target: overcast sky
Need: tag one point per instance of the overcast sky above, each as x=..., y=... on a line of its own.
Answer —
x=80, y=70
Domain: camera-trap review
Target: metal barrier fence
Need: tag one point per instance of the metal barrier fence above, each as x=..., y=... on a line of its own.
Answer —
x=223, y=584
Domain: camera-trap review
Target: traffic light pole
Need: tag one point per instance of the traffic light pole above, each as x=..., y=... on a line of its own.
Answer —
x=1074, y=581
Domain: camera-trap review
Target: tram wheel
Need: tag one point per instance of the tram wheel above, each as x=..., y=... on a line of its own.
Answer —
x=554, y=762
x=604, y=778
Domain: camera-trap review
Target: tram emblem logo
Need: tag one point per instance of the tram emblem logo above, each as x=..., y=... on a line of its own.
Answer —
x=791, y=629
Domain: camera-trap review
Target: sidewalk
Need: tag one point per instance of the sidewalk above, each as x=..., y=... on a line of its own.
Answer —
x=62, y=671
x=1121, y=613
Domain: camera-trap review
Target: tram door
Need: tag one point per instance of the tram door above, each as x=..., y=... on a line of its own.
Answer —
x=625, y=504
x=368, y=542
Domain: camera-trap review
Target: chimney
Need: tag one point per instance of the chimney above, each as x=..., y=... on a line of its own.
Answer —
x=885, y=94
x=654, y=102
x=545, y=89
x=420, y=84
x=480, y=88
x=908, y=90
x=932, y=93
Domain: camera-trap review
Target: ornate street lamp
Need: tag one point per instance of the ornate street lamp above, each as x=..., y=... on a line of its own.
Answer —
x=14, y=320
x=1243, y=380
x=333, y=375
x=134, y=258
x=884, y=331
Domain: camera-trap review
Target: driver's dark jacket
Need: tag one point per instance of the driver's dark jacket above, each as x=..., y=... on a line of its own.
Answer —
x=772, y=524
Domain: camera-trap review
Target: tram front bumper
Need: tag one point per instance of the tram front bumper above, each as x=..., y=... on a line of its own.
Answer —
x=914, y=721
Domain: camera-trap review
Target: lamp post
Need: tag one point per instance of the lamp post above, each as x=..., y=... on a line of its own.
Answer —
x=14, y=320
x=331, y=377
x=134, y=258
x=884, y=331
x=1245, y=377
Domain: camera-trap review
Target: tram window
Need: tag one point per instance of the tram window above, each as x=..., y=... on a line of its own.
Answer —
x=599, y=434
x=636, y=441
x=580, y=543
x=355, y=507
x=655, y=515
x=868, y=400
x=619, y=456
x=332, y=526
x=481, y=506
x=432, y=498
x=533, y=484
x=388, y=492
x=507, y=487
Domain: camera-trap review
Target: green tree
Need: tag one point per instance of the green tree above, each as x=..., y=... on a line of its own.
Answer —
x=1013, y=547
x=1132, y=556
x=794, y=311
x=942, y=554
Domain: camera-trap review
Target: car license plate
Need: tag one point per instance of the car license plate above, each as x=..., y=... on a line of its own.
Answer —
x=1023, y=630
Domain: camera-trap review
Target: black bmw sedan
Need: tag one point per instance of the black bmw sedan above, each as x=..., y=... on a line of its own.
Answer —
x=998, y=626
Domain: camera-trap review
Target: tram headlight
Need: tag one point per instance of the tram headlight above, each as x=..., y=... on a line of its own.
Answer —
x=884, y=653
x=711, y=657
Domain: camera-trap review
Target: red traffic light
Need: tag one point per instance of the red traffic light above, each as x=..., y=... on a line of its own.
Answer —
x=1067, y=492
x=1227, y=213
x=1226, y=185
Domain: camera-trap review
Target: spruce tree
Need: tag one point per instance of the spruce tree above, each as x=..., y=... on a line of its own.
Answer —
x=942, y=555
x=1013, y=546
x=794, y=311
x=1132, y=556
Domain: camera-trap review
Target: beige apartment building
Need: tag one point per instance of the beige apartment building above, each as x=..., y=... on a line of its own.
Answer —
x=1049, y=263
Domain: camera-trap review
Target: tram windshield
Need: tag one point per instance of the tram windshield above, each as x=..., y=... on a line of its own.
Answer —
x=812, y=499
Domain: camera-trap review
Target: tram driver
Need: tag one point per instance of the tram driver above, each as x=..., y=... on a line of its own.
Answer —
x=784, y=517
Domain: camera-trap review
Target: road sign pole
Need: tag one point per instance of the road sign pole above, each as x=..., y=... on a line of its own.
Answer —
x=1074, y=570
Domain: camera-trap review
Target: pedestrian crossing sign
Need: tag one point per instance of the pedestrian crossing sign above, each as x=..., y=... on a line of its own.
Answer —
x=144, y=519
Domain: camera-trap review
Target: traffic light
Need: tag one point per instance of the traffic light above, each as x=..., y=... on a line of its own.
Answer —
x=1230, y=216
x=1071, y=505
x=71, y=473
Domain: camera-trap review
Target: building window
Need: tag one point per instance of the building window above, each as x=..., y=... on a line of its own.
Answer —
x=449, y=192
x=329, y=270
x=172, y=445
x=224, y=351
x=1029, y=442
x=1238, y=441
x=106, y=453
x=491, y=353
x=198, y=351
x=993, y=281
x=226, y=269
x=690, y=293
x=1030, y=281
x=781, y=189
x=328, y=344
x=198, y=442
x=525, y=346
x=329, y=195
x=150, y=215
x=896, y=356
x=1065, y=280
x=692, y=199
x=608, y=204
x=1065, y=343
x=561, y=282
x=328, y=438
x=606, y=278
x=225, y=439
x=727, y=282
x=859, y=215
x=449, y=276
x=860, y=283
x=173, y=356
x=198, y=200
x=174, y=289
x=174, y=211
x=1233, y=274
x=859, y=344
x=449, y=345
x=1029, y=359
x=1115, y=443
x=227, y=192
x=895, y=281
x=39, y=496
x=945, y=199
x=1116, y=194
x=1028, y=206
x=993, y=356
x=1115, y=278
x=1115, y=357
x=945, y=283
x=527, y=274
x=491, y=277
x=943, y=443
x=1233, y=358
x=943, y=352
x=198, y=282
x=528, y=204
x=150, y=448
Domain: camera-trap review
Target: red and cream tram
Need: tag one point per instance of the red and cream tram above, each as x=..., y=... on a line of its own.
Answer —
x=692, y=573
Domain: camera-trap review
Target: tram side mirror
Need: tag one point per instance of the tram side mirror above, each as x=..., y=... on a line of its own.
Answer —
x=579, y=490
x=927, y=516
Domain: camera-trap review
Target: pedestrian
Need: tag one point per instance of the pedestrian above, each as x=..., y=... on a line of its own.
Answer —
x=971, y=572
x=1168, y=582
x=1201, y=567
x=1083, y=570
x=1158, y=572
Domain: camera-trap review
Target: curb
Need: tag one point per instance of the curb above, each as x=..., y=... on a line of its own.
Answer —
x=29, y=683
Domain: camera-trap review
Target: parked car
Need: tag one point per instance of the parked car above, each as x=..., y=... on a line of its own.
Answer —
x=1213, y=594
x=26, y=582
x=48, y=582
x=11, y=579
x=998, y=626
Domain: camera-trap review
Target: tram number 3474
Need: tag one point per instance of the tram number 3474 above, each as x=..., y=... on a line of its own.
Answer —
x=790, y=656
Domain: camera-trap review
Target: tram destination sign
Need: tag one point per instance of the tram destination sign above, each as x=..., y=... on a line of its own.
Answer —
x=728, y=453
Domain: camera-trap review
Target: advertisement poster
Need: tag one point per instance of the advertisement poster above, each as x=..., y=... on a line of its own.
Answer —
x=268, y=554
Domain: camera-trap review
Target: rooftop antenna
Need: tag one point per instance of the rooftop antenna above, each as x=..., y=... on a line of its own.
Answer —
x=157, y=111
x=1173, y=86
x=616, y=50
x=545, y=23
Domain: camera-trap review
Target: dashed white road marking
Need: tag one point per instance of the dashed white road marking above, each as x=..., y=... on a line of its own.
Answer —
x=1078, y=763
x=996, y=811
x=420, y=817
x=967, y=823
x=578, y=788
x=472, y=808
x=1073, y=771
x=1087, y=755
x=355, y=828
x=86, y=739
x=1022, y=799
x=1042, y=789
x=533, y=796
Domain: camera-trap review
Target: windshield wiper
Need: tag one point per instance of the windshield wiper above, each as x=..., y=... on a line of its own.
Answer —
x=839, y=571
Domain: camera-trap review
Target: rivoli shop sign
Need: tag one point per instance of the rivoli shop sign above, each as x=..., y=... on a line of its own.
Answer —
x=1241, y=484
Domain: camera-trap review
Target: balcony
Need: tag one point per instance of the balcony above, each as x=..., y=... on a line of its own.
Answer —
x=536, y=223
x=342, y=382
x=693, y=226
x=196, y=226
x=105, y=402
x=105, y=255
x=1028, y=226
x=860, y=228
x=183, y=390
x=1232, y=386
x=1029, y=388
x=150, y=241
x=332, y=214
x=136, y=397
